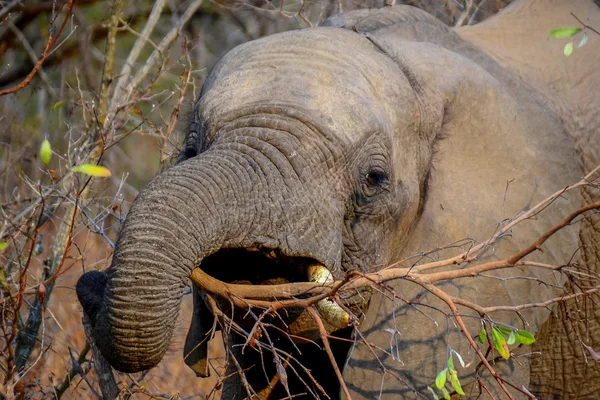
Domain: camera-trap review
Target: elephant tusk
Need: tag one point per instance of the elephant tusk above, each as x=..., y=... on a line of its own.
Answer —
x=328, y=309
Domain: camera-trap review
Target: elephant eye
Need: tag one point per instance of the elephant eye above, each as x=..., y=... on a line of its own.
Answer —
x=375, y=181
x=376, y=178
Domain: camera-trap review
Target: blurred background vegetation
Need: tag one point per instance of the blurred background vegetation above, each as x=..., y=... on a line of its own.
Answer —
x=57, y=84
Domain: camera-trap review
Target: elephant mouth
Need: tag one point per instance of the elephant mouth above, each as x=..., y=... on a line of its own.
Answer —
x=255, y=266
x=264, y=266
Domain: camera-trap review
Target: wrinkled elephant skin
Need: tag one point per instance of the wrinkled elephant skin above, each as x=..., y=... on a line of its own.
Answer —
x=382, y=135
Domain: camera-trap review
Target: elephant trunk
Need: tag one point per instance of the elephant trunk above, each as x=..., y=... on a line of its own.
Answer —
x=180, y=218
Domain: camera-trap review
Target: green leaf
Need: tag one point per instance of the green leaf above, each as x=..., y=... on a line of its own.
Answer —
x=500, y=343
x=524, y=337
x=440, y=379
x=565, y=32
x=482, y=335
x=446, y=394
x=505, y=331
x=46, y=152
x=456, y=383
x=568, y=50
x=511, y=338
x=92, y=170
x=450, y=363
x=57, y=105
x=3, y=245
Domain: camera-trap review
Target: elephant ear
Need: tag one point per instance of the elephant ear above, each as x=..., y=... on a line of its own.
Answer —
x=497, y=151
x=194, y=139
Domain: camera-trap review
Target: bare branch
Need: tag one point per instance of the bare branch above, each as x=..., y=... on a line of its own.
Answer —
x=323, y=334
x=49, y=45
x=123, y=81
x=122, y=96
x=243, y=295
x=109, y=58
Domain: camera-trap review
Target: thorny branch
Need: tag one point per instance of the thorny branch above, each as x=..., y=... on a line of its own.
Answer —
x=285, y=295
x=274, y=298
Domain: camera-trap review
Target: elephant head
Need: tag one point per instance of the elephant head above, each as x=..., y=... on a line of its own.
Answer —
x=346, y=148
x=275, y=165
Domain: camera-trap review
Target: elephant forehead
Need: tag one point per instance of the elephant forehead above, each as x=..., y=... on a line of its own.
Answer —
x=336, y=76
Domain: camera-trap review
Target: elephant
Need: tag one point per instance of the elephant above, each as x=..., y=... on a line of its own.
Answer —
x=381, y=135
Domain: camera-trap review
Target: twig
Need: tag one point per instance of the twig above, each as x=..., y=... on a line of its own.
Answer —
x=109, y=59
x=511, y=261
x=73, y=372
x=16, y=355
x=584, y=25
x=144, y=37
x=27, y=336
x=323, y=334
x=8, y=8
x=123, y=95
x=446, y=299
x=49, y=45
x=32, y=56
x=465, y=14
